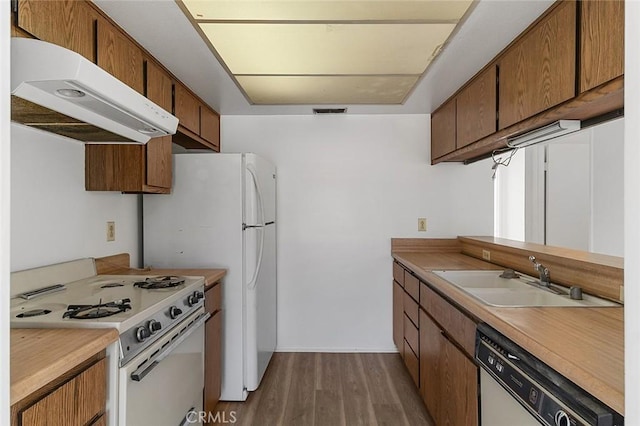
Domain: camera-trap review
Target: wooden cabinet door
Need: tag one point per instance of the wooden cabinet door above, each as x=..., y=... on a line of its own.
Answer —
x=67, y=23
x=119, y=56
x=158, y=157
x=187, y=109
x=539, y=71
x=458, y=387
x=398, y=315
x=111, y=167
x=209, y=126
x=73, y=404
x=601, y=42
x=159, y=86
x=449, y=380
x=212, y=359
x=158, y=150
x=431, y=347
x=443, y=130
x=476, y=109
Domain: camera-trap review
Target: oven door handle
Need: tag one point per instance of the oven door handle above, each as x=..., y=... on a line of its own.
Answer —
x=141, y=372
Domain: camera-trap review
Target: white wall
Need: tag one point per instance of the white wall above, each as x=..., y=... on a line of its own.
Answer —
x=53, y=218
x=607, y=173
x=632, y=212
x=5, y=155
x=346, y=185
x=509, y=197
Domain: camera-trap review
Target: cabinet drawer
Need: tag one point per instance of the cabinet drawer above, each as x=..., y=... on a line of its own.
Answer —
x=412, y=285
x=398, y=273
x=456, y=324
x=411, y=335
x=412, y=363
x=213, y=298
x=74, y=403
x=411, y=309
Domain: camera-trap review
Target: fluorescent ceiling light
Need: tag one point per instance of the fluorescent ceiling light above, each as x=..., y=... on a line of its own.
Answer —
x=301, y=90
x=542, y=134
x=327, y=52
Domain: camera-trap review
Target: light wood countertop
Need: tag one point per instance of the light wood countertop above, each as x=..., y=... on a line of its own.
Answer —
x=39, y=356
x=119, y=264
x=586, y=345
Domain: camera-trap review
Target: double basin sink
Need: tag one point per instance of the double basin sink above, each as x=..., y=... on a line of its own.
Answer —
x=518, y=291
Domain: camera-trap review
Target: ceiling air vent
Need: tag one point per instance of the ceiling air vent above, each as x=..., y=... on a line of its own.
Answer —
x=329, y=110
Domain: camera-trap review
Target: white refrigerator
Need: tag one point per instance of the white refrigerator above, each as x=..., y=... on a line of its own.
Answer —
x=221, y=213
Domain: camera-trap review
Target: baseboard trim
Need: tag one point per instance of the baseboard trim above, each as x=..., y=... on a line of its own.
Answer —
x=337, y=350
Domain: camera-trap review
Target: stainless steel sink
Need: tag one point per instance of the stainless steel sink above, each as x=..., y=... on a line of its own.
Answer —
x=522, y=291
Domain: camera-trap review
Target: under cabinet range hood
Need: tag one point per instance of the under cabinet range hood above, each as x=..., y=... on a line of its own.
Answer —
x=60, y=91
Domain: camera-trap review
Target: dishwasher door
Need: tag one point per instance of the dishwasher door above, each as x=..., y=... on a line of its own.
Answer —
x=499, y=408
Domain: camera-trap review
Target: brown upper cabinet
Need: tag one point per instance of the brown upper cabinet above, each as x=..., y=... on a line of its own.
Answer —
x=210, y=126
x=159, y=88
x=199, y=125
x=476, y=108
x=66, y=23
x=119, y=56
x=443, y=130
x=135, y=168
x=546, y=74
x=82, y=27
x=187, y=109
x=539, y=71
x=601, y=42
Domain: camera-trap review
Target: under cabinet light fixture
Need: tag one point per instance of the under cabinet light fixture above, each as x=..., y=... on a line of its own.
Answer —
x=545, y=133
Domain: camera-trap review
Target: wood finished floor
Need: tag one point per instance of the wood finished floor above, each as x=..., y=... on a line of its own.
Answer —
x=318, y=389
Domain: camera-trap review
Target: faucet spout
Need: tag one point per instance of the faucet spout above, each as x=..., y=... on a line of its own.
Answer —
x=545, y=275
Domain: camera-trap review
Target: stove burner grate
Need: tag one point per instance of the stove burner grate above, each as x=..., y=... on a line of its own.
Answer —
x=111, y=285
x=152, y=283
x=100, y=310
x=33, y=313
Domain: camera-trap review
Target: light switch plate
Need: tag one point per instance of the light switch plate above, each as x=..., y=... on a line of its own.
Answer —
x=111, y=231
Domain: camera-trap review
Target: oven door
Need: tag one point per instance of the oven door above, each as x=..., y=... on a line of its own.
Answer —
x=163, y=385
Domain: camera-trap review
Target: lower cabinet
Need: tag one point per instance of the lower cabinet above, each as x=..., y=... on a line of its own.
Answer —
x=449, y=380
x=78, y=401
x=213, y=348
x=436, y=342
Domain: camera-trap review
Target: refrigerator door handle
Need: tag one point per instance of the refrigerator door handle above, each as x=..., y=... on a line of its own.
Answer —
x=254, y=280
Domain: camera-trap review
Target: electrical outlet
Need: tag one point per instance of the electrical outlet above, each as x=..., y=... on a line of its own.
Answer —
x=486, y=255
x=422, y=224
x=111, y=231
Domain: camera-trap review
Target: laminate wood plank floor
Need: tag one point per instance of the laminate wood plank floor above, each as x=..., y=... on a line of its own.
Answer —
x=330, y=389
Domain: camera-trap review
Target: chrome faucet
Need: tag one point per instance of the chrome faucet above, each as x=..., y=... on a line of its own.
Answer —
x=545, y=275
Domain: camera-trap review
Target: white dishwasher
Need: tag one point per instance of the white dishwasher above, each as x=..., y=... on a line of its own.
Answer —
x=517, y=389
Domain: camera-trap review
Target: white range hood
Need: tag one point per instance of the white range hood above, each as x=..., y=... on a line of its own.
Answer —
x=58, y=90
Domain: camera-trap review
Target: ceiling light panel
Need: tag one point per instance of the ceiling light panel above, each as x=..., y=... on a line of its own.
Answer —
x=283, y=90
x=334, y=11
x=325, y=52
x=319, y=49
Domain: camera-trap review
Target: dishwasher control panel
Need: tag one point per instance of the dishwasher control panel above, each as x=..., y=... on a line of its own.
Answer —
x=550, y=398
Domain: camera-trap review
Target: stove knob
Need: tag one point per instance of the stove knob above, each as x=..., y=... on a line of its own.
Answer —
x=142, y=333
x=199, y=295
x=192, y=300
x=154, y=326
x=174, y=312
x=562, y=418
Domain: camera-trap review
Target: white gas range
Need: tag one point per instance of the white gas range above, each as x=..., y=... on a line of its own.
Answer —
x=157, y=374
